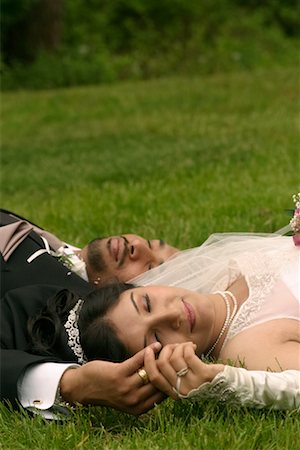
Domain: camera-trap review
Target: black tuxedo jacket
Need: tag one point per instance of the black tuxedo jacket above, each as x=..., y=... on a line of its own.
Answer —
x=45, y=269
x=22, y=298
x=16, y=308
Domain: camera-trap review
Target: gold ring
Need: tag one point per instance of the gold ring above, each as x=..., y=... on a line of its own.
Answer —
x=143, y=375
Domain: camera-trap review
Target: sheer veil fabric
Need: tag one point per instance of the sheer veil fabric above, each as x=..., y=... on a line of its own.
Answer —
x=212, y=266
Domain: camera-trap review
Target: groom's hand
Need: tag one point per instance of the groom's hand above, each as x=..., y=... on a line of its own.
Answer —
x=111, y=384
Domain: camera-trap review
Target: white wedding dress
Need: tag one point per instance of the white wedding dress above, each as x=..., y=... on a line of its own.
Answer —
x=270, y=265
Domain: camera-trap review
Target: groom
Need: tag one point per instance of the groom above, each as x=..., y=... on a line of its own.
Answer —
x=26, y=248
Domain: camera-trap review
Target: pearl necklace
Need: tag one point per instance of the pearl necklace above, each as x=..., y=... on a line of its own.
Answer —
x=228, y=318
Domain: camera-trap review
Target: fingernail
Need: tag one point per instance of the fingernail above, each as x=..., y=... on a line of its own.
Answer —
x=156, y=346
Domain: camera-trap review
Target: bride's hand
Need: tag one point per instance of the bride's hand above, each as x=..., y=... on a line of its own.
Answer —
x=173, y=358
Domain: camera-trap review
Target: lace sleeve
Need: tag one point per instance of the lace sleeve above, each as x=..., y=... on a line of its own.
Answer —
x=257, y=389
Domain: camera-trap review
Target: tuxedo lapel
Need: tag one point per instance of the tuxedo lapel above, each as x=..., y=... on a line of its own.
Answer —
x=35, y=233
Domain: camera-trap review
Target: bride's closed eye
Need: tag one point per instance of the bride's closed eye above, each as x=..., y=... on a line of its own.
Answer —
x=147, y=302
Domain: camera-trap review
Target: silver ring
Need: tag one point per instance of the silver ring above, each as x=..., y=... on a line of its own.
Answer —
x=178, y=383
x=143, y=375
x=182, y=372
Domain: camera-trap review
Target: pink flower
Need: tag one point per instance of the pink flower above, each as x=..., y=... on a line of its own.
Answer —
x=295, y=221
x=296, y=239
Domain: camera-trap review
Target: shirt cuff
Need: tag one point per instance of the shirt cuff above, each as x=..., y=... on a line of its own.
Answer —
x=38, y=387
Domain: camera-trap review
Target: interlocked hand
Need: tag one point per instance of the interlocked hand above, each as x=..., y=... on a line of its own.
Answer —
x=171, y=364
x=112, y=384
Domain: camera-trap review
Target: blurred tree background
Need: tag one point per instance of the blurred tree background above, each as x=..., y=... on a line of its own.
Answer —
x=56, y=43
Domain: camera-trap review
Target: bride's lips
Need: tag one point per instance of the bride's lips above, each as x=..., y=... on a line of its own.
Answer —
x=190, y=313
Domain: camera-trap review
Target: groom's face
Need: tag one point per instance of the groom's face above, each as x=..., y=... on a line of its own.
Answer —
x=123, y=257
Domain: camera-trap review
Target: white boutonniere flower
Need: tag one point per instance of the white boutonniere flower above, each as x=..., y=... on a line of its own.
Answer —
x=72, y=261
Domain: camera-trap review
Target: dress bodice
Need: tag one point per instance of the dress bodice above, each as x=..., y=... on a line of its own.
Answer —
x=273, y=285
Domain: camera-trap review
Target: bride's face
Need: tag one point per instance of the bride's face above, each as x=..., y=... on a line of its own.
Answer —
x=165, y=314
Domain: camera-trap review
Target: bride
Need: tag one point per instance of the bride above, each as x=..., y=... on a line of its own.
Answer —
x=234, y=300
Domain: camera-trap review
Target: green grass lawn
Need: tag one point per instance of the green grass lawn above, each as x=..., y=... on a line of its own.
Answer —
x=175, y=158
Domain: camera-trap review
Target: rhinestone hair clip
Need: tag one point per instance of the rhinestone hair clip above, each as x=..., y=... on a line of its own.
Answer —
x=72, y=330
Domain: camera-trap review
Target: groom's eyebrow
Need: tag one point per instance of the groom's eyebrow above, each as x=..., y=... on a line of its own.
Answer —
x=134, y=303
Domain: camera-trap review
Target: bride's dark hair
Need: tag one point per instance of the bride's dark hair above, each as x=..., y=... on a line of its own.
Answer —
x=98, y=336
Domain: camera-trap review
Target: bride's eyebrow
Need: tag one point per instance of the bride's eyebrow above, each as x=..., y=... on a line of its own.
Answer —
x=134, y=303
